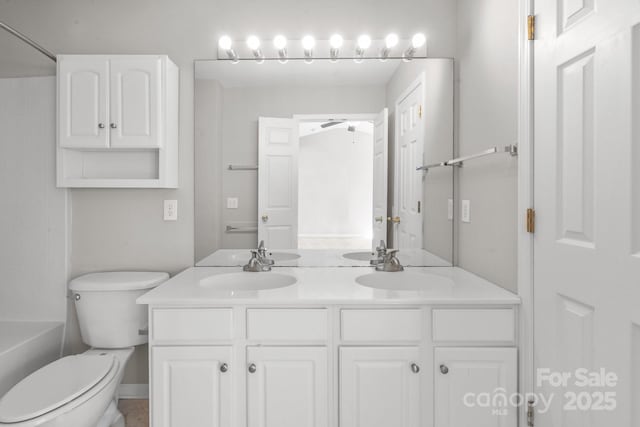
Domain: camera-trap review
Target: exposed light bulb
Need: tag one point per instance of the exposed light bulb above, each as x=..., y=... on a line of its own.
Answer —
x=280, y=42
x=336, y=41
x=253, y=42
x=418, y=40
x=308, y=42
x=225, y=43
x=391, y=41
x=364, y=42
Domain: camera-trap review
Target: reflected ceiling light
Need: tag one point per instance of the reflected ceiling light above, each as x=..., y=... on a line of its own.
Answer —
x=417, y=41
x=280, y=43
x=225, y=44
x=390, y=42
x=364, y=43
x=253, y=43
x=308, y=43
x=335, y=42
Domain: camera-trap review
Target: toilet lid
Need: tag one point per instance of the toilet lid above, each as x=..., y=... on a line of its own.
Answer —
x=53, y=386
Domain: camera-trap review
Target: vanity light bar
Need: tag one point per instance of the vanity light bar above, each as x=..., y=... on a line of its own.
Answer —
x=334, y=49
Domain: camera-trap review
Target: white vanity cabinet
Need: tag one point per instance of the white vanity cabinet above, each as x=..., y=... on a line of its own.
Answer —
x=117, y=121
x=352, y=366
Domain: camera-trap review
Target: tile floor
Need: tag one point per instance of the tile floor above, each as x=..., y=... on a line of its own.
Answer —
x=135, y=411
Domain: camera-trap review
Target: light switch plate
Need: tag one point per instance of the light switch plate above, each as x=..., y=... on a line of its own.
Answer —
x=466, y=211
x=232, y=203
x=170, y=210
x=450, y=209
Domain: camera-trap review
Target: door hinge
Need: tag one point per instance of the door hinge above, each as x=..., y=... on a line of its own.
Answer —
x=420, y=111
x=531, y=220
x=419, y=206
x=530, y=413
x=531, y=27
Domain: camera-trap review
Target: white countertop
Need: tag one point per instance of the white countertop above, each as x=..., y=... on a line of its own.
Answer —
x=319, y=258
x=330, y=285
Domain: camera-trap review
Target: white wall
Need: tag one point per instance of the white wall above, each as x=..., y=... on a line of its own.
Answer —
x=487, y=79
x=335, y=184
x=33, y=224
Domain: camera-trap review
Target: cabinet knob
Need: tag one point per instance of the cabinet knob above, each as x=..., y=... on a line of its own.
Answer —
x=114, y=126
x=265, y=218
x=415, y=368
x=444, y=369
x=224, y=367
x=100, y=125
x=252, y=368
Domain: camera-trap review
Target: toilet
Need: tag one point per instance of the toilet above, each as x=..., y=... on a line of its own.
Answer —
x=82, y=390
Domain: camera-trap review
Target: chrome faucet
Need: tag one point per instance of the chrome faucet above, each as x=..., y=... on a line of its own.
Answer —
x=381, y=252
x=262, y=254
x=390, y=263
x=255, y=264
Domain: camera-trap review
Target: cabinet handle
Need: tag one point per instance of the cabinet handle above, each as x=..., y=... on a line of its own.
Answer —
x=114, y=126
x=252, y=368
x=415, y=368
x=444, y=369
x=100, y=125
x=224, y=368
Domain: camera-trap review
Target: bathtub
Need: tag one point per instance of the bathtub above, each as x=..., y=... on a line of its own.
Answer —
x=26, y=347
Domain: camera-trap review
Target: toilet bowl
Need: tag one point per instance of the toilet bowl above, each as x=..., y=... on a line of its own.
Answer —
x=75, y=391
x=81, y=390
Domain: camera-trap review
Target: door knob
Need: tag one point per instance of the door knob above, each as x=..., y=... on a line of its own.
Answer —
x=444, y=369
x=224, y=367
x=379, y=219
x=265, y=218
x=394, y=219
x=252, y=368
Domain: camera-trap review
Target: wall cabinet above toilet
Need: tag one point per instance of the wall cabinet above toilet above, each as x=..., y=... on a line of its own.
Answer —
x=117, y=121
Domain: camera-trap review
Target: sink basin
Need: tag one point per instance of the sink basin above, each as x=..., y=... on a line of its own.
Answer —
x=403, y=281
x=359, y=256
x=246, y=281
x=283, y=256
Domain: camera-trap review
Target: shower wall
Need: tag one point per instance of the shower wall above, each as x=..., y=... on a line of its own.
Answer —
x=33, y=212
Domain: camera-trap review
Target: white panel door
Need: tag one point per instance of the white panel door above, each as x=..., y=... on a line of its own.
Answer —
x=191, y=386
x=379, y=387
x=380, y=176
x=409, y=153
x=278, y=151
x=587, y=199
x=287, y=387
x=136, y=103
x=83, y=102
x=464, y=375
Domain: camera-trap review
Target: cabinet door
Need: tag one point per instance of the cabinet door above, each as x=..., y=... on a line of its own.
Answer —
x=466, y=377
x=136, y=92
x=287, y=387
x=191, y=386
x=83, y=102
x=379, y=387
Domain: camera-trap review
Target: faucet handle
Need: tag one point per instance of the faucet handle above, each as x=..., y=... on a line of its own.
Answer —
x=261, y=245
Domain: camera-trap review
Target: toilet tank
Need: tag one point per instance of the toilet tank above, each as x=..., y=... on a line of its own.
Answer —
x=106, y=305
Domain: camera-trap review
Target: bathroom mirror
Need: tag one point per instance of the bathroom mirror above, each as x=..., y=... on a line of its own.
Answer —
x=323, y=157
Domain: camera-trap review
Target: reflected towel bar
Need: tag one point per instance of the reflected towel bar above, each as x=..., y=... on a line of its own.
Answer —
x=431, y=166
x=243, y=167
x=232, y=229
x=28, y=41
x=511, y=149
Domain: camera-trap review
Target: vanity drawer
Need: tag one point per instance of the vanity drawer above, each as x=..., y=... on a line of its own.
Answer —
x=191, y=325
x=273, y=324
x=391, y=325
x=474, y=325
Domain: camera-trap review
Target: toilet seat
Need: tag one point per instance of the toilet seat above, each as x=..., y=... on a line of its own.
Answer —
x=55, y=385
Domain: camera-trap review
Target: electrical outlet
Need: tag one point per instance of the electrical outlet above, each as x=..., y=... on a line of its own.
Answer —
x=466, y=211
x=170, y=210
x=450, y=209
x=232, y=203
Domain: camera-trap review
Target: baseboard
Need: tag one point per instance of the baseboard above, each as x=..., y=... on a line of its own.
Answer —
x=133, y=391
